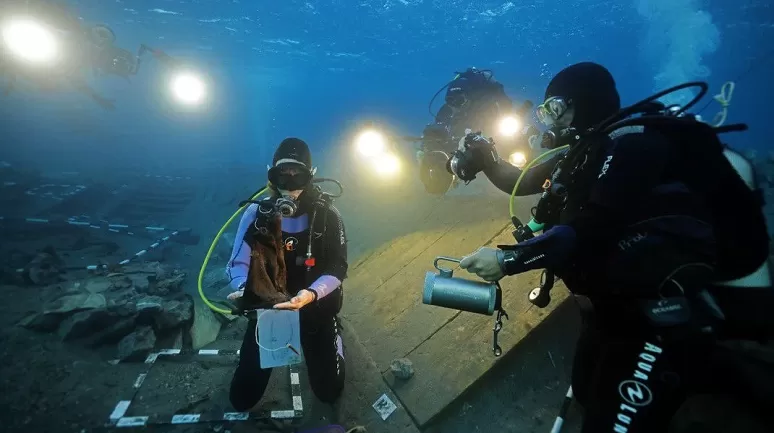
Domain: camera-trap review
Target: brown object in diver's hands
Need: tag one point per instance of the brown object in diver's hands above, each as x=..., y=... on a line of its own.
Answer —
x=267, y=278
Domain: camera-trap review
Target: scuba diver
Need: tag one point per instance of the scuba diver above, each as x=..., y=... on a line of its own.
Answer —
x=473, y=100
x=639, y=222
x=109, y=59
x=314, y=248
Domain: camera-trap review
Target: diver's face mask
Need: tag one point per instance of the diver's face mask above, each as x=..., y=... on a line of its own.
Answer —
x=290, y=182
x=552, y=112
x=290, y=178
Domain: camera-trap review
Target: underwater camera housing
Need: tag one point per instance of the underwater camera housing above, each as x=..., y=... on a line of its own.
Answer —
x=445, y=290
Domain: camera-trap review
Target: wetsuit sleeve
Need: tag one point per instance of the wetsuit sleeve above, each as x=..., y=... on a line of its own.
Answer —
x=504, y=175
x=335, y=256
x=239, y=263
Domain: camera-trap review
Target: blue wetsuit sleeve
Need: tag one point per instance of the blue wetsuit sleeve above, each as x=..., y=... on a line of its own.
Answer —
x=239, y=263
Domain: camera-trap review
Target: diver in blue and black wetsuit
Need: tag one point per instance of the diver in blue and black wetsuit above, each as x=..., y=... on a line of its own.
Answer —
x=640, y=218
x=317, y=285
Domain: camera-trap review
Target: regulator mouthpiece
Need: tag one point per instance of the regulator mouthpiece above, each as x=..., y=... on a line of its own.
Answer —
x=286, y=206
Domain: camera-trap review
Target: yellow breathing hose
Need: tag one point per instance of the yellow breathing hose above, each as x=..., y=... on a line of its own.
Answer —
x=724, y=99
x=524, y=171
x=212, y=248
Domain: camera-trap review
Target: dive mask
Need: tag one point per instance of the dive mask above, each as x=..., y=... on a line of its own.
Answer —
x=289, y=180
x=550, y=111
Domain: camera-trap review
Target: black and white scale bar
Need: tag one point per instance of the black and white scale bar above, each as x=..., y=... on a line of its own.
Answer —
x=104, y=225
x=118, y=419
x=559, y=421
x=74, y=189
x=136, y=255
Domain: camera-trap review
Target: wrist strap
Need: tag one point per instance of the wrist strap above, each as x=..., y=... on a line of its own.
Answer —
x=316, y=295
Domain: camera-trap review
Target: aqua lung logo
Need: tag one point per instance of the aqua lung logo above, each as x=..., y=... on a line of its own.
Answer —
x=635, y=392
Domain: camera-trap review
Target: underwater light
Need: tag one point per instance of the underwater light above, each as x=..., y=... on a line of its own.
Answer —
x=509, y=126
x=188, y=88
x=30, y=40
x=371, y=143
x=387, y=164
x=518, y=159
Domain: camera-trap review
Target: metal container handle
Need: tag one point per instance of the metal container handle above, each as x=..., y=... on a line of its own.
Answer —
x=446, y=273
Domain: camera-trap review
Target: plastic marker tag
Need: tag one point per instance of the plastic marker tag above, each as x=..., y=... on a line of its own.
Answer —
x=279, y=338
x=384, y=407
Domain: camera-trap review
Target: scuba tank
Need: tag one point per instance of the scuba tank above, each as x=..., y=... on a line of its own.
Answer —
x=761, y=277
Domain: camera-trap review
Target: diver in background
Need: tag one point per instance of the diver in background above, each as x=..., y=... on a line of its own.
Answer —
x=317, y=286
x=635, y=237
x=109, y=59
x=473, y=100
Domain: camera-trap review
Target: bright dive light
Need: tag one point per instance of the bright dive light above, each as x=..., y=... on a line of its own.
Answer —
x=188, y=88
x=509, y=126
x=30, y=40
x=518, y=159
x=371, y=143
x=387, y=164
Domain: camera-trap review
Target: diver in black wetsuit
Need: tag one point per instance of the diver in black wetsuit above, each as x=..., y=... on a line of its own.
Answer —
x=316, y=258
x=635, y=229
x=474, y=100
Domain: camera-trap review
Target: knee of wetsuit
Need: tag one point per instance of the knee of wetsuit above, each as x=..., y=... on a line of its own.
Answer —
x=239, y=396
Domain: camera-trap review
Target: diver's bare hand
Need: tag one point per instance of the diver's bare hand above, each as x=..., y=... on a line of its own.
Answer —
x=297, y=302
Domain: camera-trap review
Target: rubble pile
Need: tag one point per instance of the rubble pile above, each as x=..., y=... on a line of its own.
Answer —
x=140, y=308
